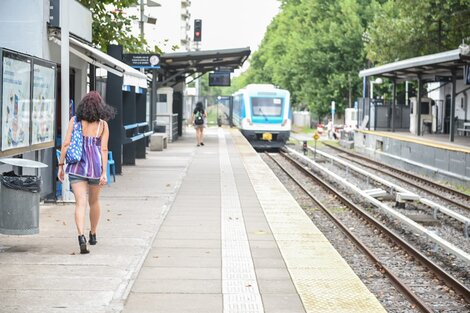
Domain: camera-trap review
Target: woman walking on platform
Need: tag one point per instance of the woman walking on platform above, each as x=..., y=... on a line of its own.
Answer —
x=89, y=173
x=199, y=117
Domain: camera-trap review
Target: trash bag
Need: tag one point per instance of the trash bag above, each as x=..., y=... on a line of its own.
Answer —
x=24, y=182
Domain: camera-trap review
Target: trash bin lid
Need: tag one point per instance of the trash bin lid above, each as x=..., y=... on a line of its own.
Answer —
x=23, y=163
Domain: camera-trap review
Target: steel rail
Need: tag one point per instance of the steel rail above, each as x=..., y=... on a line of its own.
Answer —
x=405, y=290
x=412, y=183
x=409, y=175
x=399, y=189
x=440, y=273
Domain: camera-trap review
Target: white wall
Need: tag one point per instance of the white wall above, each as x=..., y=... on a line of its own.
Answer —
x=460, y=108
x=23, y=25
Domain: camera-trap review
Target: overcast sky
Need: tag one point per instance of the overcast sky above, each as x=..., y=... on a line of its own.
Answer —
x=225, y=23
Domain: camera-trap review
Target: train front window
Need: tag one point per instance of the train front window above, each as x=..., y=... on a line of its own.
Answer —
x=266, y=106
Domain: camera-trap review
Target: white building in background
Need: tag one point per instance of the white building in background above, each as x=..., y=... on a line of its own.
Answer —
x=185, y=17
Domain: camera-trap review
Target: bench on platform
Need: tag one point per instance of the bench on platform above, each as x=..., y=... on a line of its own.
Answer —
x=158, y=142
x=464, y=131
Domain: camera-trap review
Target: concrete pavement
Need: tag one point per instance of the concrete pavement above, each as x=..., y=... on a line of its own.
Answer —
x=184, y=231
x=46, y=273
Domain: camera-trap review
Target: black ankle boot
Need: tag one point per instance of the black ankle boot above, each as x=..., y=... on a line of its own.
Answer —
x=92, y=239
x=82, y=243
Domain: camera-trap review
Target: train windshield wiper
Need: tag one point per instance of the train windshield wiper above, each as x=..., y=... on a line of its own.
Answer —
x=264, y=115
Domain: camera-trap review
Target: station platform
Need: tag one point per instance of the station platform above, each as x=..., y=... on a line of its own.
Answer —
x=431, y=155
x=189, y=229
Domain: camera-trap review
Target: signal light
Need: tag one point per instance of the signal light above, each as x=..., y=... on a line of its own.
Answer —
x=197, y=30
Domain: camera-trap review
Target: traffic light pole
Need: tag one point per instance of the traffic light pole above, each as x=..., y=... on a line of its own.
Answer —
x=196, y=43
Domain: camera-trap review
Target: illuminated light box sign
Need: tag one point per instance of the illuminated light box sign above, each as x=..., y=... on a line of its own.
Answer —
x=219, y=79
x=28, y=94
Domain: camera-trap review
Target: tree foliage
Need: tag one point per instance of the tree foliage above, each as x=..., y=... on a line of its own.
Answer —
x=407, y=28
x=114, y=26
x=316, y=48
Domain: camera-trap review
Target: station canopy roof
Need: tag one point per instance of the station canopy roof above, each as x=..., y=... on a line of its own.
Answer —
x=131, y=76
x=179, y=65
x=430, y=67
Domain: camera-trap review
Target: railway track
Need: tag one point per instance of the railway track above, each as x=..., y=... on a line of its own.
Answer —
x=418, y=256
x=399, y=192
x=408, y=178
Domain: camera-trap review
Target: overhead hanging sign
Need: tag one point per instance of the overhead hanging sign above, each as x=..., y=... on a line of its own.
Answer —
x=139, y=60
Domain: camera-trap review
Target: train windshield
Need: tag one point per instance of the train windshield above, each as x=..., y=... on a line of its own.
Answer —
x=266, y=106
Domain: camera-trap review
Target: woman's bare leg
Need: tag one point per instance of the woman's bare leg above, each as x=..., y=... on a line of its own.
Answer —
x=198, y=135
x=95, y=209
x=80, y=192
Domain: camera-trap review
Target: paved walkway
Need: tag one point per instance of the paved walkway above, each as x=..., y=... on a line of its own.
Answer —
x=185, y=230
x=215, y=251
x=45, y=273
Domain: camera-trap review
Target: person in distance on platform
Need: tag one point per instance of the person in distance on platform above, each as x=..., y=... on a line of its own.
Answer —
x=199, y=120
x=89, y=174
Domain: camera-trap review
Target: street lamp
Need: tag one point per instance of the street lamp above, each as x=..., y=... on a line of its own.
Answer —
x=146, y=19
x=377, y=81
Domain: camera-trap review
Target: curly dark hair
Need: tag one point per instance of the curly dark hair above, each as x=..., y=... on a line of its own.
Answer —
x=92, y=108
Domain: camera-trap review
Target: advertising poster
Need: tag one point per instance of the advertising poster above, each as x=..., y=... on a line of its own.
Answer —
x=43, y=104
x=16, y=102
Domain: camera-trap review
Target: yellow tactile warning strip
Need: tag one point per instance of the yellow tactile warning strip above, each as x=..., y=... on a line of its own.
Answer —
x=324, y=281
x=418, y=140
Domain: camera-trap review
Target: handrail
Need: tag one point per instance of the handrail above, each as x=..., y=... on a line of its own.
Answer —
x=130, y=126
x=135, y=125
x=137, y=134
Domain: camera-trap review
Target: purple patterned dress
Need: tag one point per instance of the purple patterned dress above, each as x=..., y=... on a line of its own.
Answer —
x=90, y=164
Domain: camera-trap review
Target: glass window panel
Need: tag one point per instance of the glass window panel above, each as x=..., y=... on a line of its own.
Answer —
x=266, y=106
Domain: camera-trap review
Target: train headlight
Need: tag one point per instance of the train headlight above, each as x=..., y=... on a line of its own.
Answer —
x=284, y=122
x=249, y=121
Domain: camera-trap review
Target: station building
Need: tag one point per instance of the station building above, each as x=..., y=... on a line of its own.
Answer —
x=50, y=33
x=431, y=130
x=32, y=61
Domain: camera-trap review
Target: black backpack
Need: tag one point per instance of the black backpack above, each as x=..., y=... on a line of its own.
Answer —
x=198, y=118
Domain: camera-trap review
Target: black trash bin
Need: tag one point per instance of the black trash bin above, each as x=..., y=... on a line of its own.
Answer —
x=159, y=128
x=19, y=200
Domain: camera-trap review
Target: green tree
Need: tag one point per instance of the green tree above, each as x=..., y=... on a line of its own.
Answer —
x=314, y=49
x=111, y=26
x=403, y=29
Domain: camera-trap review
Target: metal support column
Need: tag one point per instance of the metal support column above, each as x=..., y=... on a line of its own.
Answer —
x=394, y=100
x=452, y=107
x=92, y=77
x=128, y=118
x=418, y=109
x=65, y=83
x=153, y=98
x=364, y=96
x=140, y=116
x=114, y=98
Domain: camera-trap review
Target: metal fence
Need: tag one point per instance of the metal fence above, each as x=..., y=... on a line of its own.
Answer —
x=217, y=108
x=381, y=115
